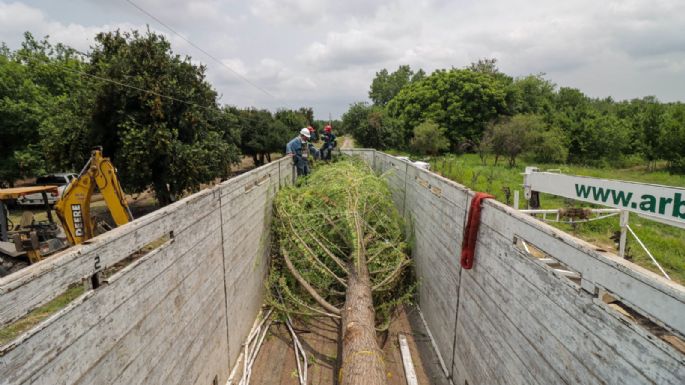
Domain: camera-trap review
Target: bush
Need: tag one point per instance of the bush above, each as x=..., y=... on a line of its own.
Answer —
x=549, y=147
x=429, y=139
x=513, y=136
x=372, y=127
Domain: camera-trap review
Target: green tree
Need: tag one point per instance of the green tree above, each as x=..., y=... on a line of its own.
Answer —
x=372, y=127
x=533, y=95
x=355, y=117
x=599, y=138
x=42, y=107
x=293, y=120
x=170, y=138
x=262, y=135
x=651, y=125
x=511, y=137
x=488, y=66
x=672, y=141
x=461, y=100
x=20, y=113
x=308, y=114
x=549, y=146
x=429, y=139
x=386, y=85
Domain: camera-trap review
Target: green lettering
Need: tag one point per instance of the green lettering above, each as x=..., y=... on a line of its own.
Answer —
x=648, y=203
x=582, y=190
x=678, y=206
x=621, y=198
x=663, y=202
x=600, y=194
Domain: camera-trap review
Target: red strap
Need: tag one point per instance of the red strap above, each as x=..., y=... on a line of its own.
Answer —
x=468, y=245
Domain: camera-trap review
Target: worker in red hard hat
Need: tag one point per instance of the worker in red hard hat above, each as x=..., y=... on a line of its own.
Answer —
x=329, y=142
x=314, y=136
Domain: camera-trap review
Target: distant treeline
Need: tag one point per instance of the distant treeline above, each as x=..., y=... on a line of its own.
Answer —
x=153, y=111
x=480, y=109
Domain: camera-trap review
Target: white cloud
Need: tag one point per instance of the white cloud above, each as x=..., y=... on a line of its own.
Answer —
x=352, y=48
x=197, y=14
x=288, y=11
x=17, y=18
x=324, y=53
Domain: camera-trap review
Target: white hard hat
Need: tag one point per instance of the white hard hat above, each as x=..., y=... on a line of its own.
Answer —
x=305, y=132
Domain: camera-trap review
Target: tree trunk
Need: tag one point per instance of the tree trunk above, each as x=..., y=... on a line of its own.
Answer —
x=162, y=194
x=362, y=359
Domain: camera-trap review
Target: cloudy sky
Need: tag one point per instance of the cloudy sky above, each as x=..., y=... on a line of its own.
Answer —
x=325, y=53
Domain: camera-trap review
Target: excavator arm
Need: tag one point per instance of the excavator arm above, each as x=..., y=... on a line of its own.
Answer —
x=73, y=208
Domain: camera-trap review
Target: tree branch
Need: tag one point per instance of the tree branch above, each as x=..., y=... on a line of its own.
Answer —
x=311, y=252
x=319, y=299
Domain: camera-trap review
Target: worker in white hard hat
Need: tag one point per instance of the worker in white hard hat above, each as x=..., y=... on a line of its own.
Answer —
x=300, y=149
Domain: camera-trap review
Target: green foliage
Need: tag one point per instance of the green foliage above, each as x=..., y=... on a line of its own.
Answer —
x=579, y=129
x=549, y=146
x=602, y=137
x=156, y=141
x=320, y=226
x=533, y=95
x=513, y=136
x=372, y=127
x=173, y=138
x=261, y=134
x=461, y=100
x=293, y=120
x=429, y=139
x=511, y=93
x=355, y=117
x=37, y=85
x=667, y=243
x=672, y=141
x=386, y=85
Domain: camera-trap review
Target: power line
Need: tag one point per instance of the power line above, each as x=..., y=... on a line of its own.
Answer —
x=199, y=48
x=130, y=86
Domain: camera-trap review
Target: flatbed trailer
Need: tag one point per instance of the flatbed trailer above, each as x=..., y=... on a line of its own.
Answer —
x=538, y=307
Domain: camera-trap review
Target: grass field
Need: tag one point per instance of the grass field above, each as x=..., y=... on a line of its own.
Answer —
x=9, y=332
x=666, y=243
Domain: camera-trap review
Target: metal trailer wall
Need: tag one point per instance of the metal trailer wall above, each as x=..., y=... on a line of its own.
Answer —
x=513, y=319
x=177, y=315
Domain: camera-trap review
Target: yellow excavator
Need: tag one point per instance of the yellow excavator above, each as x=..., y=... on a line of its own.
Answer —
x=73, y=207
x=39, y=239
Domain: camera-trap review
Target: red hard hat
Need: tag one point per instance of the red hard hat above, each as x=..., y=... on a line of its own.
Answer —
x=327, y=128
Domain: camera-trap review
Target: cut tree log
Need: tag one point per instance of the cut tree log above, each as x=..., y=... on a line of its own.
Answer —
x=324, y=231
x=362, y=359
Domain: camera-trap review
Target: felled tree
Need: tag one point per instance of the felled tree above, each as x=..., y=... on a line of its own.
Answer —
x=342, y=255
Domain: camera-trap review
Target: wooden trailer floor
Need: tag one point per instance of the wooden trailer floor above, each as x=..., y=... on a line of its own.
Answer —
x=275, y=362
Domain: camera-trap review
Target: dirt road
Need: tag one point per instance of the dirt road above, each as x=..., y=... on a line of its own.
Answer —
x=348, y=142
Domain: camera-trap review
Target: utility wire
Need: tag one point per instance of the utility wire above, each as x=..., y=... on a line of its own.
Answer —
x=199, y=48
x=130, y=86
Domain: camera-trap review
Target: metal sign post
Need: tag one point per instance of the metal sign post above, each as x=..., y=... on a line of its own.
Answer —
x=623, y=222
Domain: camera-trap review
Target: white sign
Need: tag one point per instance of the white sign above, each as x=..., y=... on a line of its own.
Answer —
x=666, y=203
